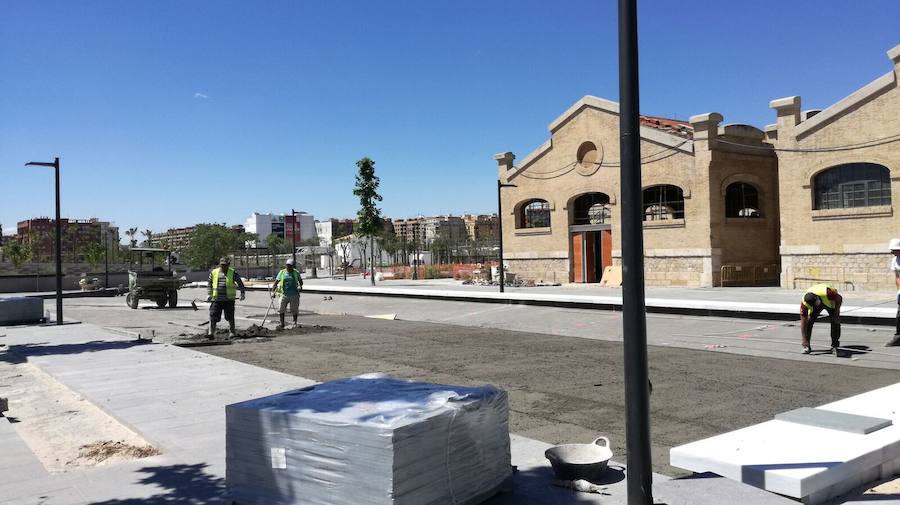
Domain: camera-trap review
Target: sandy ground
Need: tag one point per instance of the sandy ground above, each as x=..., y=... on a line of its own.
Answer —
x=565, y=389
x=62, y=429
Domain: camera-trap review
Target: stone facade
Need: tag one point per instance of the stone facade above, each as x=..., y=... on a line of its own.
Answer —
x=748, y=197
x=582, y=157
x=844, y=245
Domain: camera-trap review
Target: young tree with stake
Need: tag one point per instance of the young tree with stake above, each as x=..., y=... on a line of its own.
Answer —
x=370, y=222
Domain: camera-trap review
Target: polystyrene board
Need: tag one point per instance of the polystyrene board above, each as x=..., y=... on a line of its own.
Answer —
x=781, y=456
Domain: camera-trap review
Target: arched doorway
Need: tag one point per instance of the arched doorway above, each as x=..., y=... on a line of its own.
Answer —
x=590, y=237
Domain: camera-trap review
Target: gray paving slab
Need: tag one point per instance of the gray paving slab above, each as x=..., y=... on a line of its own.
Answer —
x=832, y=420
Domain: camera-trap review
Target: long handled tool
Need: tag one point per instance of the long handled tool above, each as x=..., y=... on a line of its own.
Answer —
x=271, y=306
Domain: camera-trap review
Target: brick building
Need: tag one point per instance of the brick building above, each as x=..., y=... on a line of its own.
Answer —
x=481, y=226
x=77, y=234
x=810, y=197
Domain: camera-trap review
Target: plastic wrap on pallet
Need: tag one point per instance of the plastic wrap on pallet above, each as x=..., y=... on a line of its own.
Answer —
x=369, y=440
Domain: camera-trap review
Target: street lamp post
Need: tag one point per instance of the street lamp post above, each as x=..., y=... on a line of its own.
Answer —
x=634, y=321
x=294, y=235
x=500, y=186
x=59, y=303
x=106, y=256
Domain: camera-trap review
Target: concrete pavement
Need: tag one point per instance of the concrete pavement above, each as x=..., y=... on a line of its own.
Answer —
x=175, y=398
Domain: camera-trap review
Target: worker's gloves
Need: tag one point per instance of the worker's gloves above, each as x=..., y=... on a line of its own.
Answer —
x=273, y=295
x=242, y=296
x=208, y=298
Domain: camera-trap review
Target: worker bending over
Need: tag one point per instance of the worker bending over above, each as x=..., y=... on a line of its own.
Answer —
x=222, y=290
x=288, y=285
x=816, y=299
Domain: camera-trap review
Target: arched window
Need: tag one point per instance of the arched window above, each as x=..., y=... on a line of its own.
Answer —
x=534, y=214
x=852, y=185
x=591, y=208
x=663, y=202
x=741, y=200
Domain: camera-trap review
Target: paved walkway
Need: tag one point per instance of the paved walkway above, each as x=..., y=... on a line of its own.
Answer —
x=175, y=398
x=761, y=303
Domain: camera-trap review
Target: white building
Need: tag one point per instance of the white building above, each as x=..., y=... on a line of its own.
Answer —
x=281, y=225
x=354, y=249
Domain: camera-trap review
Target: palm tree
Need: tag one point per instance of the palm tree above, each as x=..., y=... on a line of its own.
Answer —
x=148, y=235
x=131, y=232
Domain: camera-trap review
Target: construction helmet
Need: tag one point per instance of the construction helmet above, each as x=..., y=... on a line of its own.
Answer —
x=894, y=245
x=290, y=261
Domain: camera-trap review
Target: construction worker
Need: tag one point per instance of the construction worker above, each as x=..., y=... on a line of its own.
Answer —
x=288, y=285
x=816, y=299
x=222, y=290
x=894, y=246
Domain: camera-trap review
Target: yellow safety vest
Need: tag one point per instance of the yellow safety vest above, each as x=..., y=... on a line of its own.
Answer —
x=279, y=288
x=820, y=290
x=230, y=286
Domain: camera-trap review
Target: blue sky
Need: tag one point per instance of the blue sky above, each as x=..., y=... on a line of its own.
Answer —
x=168, y=113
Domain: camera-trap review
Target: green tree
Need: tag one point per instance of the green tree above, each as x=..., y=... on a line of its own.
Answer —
x=17, y=253
x=208, y=243
x=275, y=245
x=369, y=220
x=131, y=232
x=93, y=254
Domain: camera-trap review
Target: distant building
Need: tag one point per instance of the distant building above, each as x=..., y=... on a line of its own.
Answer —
x=176, y=239
x=410, y=229
x=329, y=229
x=282, y=226
x=450, y=228
x=481, y=226
x=76, y=235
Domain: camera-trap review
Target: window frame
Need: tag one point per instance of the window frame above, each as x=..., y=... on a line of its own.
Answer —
x=744, y=204
x=851, y=186
x=667, y=207
x=524, y=223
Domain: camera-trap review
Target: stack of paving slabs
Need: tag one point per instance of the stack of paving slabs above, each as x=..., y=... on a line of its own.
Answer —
x=369, y=440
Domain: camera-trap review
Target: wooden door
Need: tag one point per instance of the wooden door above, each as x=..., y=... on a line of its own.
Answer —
x=577, y=257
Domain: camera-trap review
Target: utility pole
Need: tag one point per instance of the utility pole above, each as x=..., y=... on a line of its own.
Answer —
x=294, y=235
x=59, y=303
x=500, y=268
x=415, y=275
x=106, y=256
x=634, y=321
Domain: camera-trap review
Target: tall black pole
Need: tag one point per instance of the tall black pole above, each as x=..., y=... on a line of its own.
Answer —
x=294, y=235
x=500, y=229
x=415, y=273
x=106, y=256
x=59, y=304
x=637, y=393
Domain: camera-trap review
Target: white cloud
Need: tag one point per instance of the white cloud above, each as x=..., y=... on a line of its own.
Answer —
x=201, y=95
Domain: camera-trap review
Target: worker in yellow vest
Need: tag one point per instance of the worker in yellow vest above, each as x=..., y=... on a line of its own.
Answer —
x=816, y=299
x=222, y=290
x=288, y=285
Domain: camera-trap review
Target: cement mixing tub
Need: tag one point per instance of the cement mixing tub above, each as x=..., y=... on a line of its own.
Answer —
x=580, y=461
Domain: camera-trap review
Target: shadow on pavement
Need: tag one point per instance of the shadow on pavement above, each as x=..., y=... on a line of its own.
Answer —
x=19, y=353
x=182, y=484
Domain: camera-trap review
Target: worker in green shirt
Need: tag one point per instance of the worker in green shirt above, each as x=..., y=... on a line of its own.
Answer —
x=287, y=287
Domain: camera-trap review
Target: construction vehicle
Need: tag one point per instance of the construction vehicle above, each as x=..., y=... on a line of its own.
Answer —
x=151, y=278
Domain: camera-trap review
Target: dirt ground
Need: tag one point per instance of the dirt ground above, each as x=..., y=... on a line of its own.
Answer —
x=565, y=389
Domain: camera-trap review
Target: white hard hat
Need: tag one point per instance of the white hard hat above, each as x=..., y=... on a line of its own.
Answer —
x=894, y=245
x=290, y=261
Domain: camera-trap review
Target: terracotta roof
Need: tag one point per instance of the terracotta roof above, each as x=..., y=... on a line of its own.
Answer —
x=669, y=125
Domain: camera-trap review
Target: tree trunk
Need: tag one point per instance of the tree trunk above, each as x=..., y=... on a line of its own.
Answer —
x=372, y=256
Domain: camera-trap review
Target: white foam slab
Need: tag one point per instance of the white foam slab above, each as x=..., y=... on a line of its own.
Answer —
x=800, y=461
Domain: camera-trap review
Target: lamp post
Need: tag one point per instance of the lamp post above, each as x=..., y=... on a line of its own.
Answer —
x=294, y=235
x=634, y=321
x=501, y=185
x=106, y=256
x=59, y=303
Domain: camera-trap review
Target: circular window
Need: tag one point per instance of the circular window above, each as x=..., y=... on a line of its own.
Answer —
x=588, y=156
